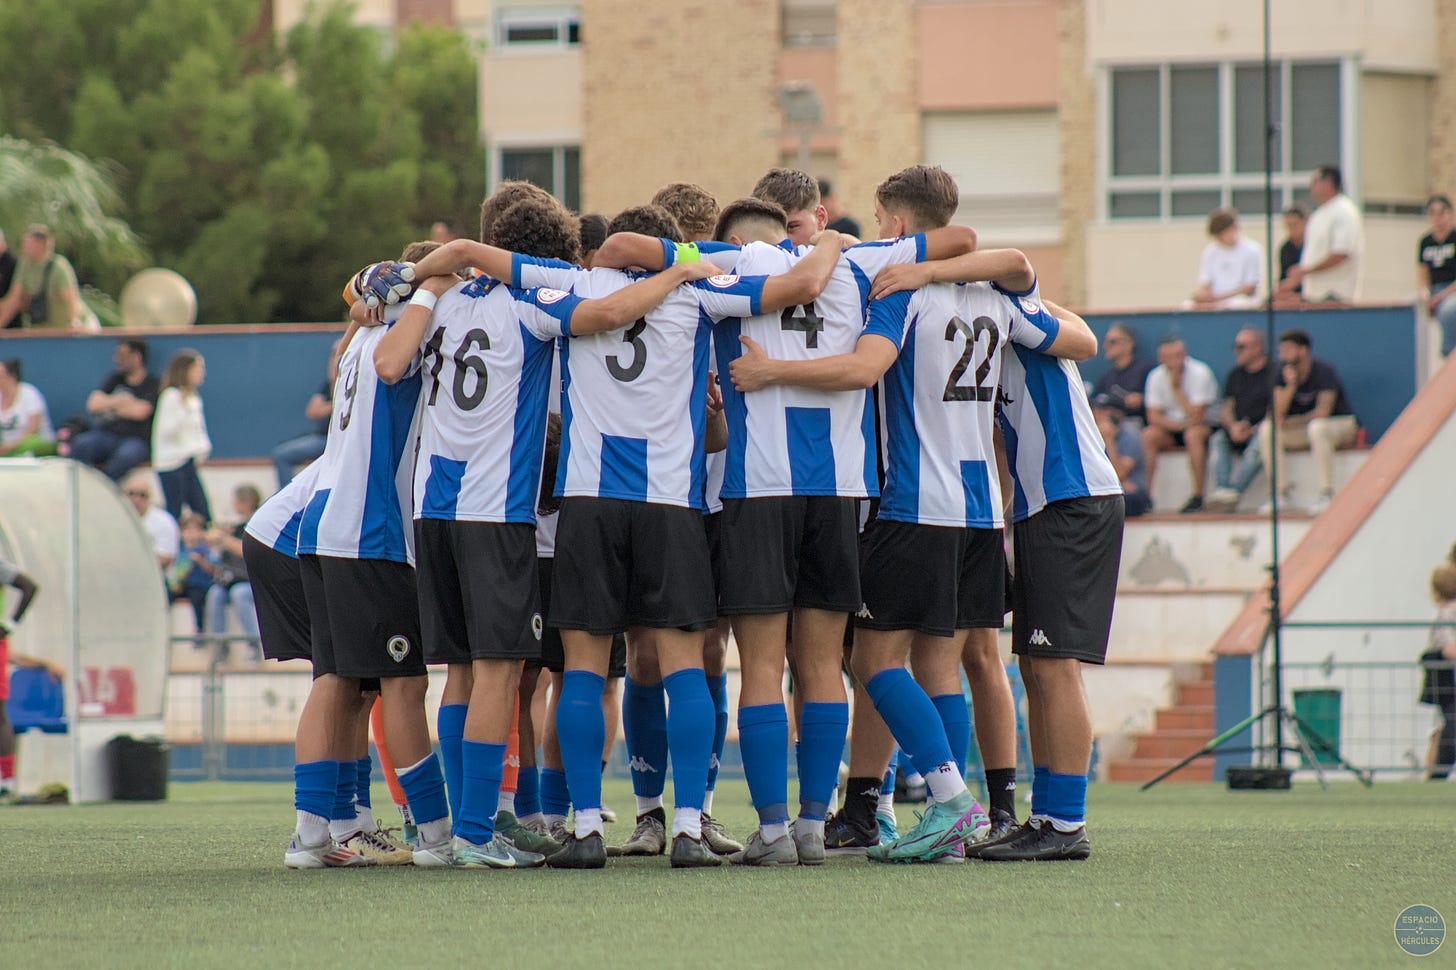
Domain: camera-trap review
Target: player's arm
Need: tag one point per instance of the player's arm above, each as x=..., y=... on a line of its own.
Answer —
x=395, y=355
x=807, y=279
x=632, y=302
x=1075, y=340
x=459, y=254
x=872, y=356
x=1007, y=268
x=715, y=433
x=948, y=242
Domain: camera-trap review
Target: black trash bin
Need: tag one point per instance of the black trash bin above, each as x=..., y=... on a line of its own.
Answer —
x=138, y=768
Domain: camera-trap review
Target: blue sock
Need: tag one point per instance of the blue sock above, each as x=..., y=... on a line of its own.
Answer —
x=763, y=739
x=314, y=787
x=1040, y=788
x=912, y=718
x=424, y=789
x=528, y=792
x=957, y=720
x=361, y=790
x=718, y=689
x=887, y=785
x=689, y=735
x=450, y=726
x=583, y=732
x=555, y=799
x=346, y=779
x=1066, y=797
x=644, y=725
x=822, y=729
x=481, y=768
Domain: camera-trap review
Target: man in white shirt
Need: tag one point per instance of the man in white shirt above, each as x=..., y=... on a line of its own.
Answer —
x=1178, y=394
x=1329, y=268
x=159, y=524
x=1231, y=268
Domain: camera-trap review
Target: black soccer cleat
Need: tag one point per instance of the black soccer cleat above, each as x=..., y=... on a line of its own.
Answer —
x=584, y=853
x=1004, y=828
x=1042, y=843
x=845, y=835
x=691, y=853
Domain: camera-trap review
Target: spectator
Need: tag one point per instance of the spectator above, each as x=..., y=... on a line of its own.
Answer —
x=1125, y=382
x=191, y=575
x=593, y=230
x=1295, y=220
x=1439, y=686
x=10, y=575
x=7, y=269
x=122, y=410
x=839, y=220
x=1310, y=406
x=1231, y=268
x=230, y=586
x=45, y=288
x=1179, y=392
x=444, y=230
x=179, y=435
x=1246, y=392
x=158, y=523
x=25, y=425
x=1329, y=264
x=1436, y=269
x=308, y=447
x=1125, y=448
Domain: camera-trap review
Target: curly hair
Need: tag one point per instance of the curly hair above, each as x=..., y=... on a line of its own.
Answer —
x=926, y=193
x=740, y=212
x=507, y=194
x=693, y=206
x=593, y=232
x=536, y=228
x=649, y=220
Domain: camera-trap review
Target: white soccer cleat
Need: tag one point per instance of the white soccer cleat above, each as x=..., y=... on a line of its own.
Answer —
x=328, y=854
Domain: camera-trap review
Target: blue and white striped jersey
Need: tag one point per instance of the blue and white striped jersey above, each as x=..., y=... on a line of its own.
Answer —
x=487, y=376
x=276, y=522
x=634, y=401
x=361, y=503
x=938, y=400
x=1052, y=441
x=786, y=440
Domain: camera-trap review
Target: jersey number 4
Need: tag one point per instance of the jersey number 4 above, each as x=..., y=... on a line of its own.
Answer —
x=467, y=365
x=806, y=321
x=980, y=391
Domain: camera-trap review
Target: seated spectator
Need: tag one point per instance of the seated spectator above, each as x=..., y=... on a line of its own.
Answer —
x=1329, y=263
x=1128, y=377
x=160, y=526
x=1310, y=406
x=1125, y=448
x=191, y=575
x=1178, y=394
x=839, y=220
x=1436, y=270
x=45, y=287
x=121, y=411
x=25, y=424
x=230, y=586
x=294, y=452
x=179, y=435
x=1231, y=268
x=1292, y=248
x=1246, y=392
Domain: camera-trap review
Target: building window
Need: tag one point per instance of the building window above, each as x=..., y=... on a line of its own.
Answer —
x=557, y=169
x=1187, y=138
x=538, y=29
x=809, y=23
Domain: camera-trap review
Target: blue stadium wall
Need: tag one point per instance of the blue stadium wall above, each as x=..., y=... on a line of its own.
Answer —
x=260, y=378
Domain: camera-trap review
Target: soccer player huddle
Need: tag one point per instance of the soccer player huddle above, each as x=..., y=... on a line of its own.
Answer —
x=759, y=425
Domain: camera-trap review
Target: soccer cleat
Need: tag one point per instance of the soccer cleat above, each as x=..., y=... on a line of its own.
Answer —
x=889, y=827
x=955, y=855
x=411, y=834
x=844, y=835
x=945, y=824
x=437, y=855
x=779, y=852
x=650, y=836
x=580, y=853
x=716, y=838
x=558, y=832
x=1004, y=828
x=1042, y=843
x=810, y=847
x=691, y=853
x=498, y=853
x=523, y=836
x=381, y=848
x=609, y=815
x=328, y=854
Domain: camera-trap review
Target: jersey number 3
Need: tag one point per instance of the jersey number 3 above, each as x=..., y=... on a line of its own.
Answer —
x=466, y=365
x=980, y=391
x=630, y=372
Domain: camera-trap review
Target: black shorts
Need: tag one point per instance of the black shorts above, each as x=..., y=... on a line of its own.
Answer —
x=553, y=654
x=364, y=617
x=621, y=564
x=934, y=579
x=1065, y=582
x=278, y=596
x=478, y=590
x=781, y=552
x=713, y=526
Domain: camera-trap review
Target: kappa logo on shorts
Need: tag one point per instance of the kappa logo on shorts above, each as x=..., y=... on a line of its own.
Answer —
x=864, y=612
x=723, y=280
x=1039, y=638
x=536, y=625
x=548, y=296
x=398, y=647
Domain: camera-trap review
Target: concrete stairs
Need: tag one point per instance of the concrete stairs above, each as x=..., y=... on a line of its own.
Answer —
x=1178, y=731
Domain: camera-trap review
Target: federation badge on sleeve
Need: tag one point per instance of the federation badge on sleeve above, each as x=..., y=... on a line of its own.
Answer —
x=1029, y=306
x=723, y=280
x=549, y=296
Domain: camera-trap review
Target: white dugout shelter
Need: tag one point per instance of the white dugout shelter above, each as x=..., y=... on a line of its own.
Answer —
x=101, y=614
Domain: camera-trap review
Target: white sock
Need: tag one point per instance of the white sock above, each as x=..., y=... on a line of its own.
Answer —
x=687, y=821
x=554, y=820
x=312, y=829
x=531, y=819
x=405, y=814
x=773, y=831
x=365, y=817
x=645, y=805
x=708, y=802
x=814, y=826
x=343, y=829
x=506, y=802
x=436, y=831
x=945, y=782
x=914, y=778
x=886, y=804
x=588, y=820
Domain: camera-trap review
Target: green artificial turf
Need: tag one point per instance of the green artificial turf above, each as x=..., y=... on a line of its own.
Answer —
x=1183, y=876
